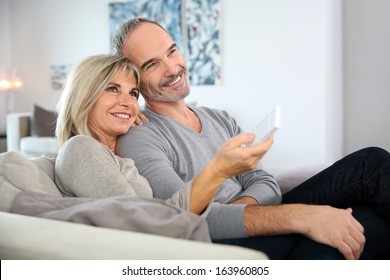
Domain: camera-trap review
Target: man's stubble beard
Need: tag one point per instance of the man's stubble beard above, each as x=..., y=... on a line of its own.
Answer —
x=160, y=96
x=165, y=98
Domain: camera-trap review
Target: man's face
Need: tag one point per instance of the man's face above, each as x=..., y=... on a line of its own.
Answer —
x=164, y=75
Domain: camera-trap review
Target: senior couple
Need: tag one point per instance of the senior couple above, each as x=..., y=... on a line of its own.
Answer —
x=193, y=158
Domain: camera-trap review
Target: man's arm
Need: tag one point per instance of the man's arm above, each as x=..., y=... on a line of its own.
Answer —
x=259, y=187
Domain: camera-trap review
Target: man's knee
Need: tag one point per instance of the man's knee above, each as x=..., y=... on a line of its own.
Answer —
x=377, y=154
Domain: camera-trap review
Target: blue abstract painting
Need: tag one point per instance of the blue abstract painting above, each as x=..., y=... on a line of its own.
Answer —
x=194, y=25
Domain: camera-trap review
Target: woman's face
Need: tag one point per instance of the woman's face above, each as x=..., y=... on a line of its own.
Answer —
x=117, y=107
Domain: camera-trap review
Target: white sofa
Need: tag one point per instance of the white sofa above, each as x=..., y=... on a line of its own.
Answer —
x=19, y=138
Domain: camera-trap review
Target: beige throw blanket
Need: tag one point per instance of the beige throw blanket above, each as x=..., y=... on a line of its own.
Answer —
x=146, y=215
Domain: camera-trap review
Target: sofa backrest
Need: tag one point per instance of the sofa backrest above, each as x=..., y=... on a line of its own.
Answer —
x=18, y=173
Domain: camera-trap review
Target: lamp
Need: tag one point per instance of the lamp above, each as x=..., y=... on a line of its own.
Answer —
x=8, y=84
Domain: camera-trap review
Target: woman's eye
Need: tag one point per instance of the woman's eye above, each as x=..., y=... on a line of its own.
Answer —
x=111, y=89
x=134, y=93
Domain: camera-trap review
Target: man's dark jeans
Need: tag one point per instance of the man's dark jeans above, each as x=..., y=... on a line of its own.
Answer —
x=361, y=181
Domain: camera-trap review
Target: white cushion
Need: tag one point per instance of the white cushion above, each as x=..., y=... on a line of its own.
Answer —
x=36, y=146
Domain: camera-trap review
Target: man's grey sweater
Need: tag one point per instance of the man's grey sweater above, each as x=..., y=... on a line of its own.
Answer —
x=169, y=155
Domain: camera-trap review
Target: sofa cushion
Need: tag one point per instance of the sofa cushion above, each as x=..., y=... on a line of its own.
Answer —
x=43, y=122
x=18, y=173
x=36, y=146
x=291, y=178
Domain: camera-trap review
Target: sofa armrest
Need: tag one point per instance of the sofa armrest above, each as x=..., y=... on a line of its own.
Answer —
x=24, y=237
x=18, y=126
x=289, y=179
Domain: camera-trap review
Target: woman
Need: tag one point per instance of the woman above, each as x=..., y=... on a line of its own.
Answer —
x=99, y=103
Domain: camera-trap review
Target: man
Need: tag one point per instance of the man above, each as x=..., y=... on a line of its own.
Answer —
x=173, y=147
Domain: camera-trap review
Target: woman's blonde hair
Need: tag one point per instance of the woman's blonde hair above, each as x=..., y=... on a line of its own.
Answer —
x=85, y=84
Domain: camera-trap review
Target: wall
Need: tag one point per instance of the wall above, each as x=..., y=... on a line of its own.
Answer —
x=275, y=52
x=367, y=74
x=46, y=33
x=5, y=56
x=5, y=46
x=285, y=52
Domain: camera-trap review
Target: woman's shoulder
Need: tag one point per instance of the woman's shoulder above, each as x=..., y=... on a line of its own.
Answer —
x=80, y=139
x=81, y=147
x=80, y=143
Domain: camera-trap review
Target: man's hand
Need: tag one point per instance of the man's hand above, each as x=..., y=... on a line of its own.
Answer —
x=324, y=224
x=337, y=228
x=140, y=119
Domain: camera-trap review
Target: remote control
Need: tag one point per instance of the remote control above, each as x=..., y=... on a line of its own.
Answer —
x=268, y=125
